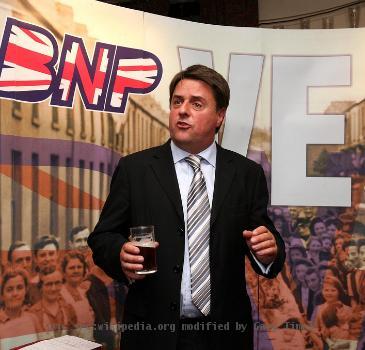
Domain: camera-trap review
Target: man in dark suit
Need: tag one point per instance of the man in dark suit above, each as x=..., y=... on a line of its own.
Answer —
x=167, y=310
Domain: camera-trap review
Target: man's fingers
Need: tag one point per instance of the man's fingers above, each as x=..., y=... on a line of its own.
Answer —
x=263, y=237
x=130, y=248
x=263, y=245
x=259, y=230
x=132, y=258
x=247, y=234
x=130, y=254
x=267, y=252
x=132, y=267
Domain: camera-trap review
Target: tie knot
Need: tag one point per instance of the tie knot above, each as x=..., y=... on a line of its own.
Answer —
x=193, y=161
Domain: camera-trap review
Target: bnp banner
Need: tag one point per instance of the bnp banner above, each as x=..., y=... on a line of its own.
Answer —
x=84, y=83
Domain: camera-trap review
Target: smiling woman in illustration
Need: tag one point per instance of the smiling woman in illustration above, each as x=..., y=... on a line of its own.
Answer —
x=17, y=325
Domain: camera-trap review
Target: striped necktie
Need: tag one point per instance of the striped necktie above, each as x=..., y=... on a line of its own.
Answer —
x=198, y=226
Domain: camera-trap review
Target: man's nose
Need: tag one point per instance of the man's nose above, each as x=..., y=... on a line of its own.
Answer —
x=184, y=109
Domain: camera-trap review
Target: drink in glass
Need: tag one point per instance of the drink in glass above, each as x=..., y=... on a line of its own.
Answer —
x=143, y=237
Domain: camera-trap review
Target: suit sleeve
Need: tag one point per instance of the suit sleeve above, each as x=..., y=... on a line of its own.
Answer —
x=111, y=231
x=259, y=217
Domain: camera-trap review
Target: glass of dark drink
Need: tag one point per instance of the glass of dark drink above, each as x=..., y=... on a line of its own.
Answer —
x=144, y=238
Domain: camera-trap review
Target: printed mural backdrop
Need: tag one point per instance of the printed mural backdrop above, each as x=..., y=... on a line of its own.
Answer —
x=84, y=84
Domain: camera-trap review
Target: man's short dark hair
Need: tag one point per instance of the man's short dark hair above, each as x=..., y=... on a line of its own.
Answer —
x=209, y=76
x=312, y=270
x=13, y=246
x=323, y=265
x=298, y=247
x=75, y=231
x=353, y=243
x=335, y=222
x=361, y=242
x=302, y=261
x=47, y=271
x=43, y=241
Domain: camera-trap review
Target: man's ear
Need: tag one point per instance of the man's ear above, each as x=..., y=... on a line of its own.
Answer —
x=221, y=115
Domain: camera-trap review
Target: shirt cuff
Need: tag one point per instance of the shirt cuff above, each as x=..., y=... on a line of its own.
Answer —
x=264, y=269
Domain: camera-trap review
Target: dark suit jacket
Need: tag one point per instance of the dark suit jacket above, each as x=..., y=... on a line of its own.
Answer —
x=144, y=190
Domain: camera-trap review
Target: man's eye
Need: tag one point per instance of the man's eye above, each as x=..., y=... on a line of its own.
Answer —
x=197, y=105
x=176, y=102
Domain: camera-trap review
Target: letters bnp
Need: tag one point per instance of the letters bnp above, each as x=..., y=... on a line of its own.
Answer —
x=29, y=55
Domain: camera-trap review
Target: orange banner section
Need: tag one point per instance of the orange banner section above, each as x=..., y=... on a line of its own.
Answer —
x=78, y=199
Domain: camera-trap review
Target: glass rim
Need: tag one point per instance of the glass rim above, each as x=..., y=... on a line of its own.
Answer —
x=142, y=227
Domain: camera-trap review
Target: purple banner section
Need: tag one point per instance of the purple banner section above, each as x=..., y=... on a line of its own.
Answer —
x=69, y=153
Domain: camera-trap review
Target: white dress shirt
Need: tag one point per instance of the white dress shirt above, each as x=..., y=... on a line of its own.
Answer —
x=185, y=175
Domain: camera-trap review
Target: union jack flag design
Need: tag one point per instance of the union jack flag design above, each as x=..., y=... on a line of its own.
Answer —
x=28, y=55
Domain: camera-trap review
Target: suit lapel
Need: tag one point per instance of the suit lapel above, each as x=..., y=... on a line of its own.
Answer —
x=164, y=169
x=224, y=174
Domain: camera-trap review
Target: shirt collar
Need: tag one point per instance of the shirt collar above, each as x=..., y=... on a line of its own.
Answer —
x=209, y=154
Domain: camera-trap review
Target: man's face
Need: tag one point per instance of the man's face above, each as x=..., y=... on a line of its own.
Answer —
x=294, y=212
x=313, y=282
x=22, y=257
x=362, y=255
x=304, y=231
x=327, y=244
x=315, y=246
x=193, y=115
x=295, y=254
x=300, y=271
x=80, y=240
x=51, y=287
x=338, y=244
x=319, y=228
x=47, y=256
x=353, y=256
x=74, y=272
x=331, y=230
x=308, y=212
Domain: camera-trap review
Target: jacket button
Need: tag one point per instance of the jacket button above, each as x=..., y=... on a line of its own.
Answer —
x=177, y=269
x=173, y=306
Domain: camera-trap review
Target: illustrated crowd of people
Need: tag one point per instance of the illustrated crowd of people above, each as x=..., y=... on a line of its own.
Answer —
x=47, y=292
x=318, y=300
